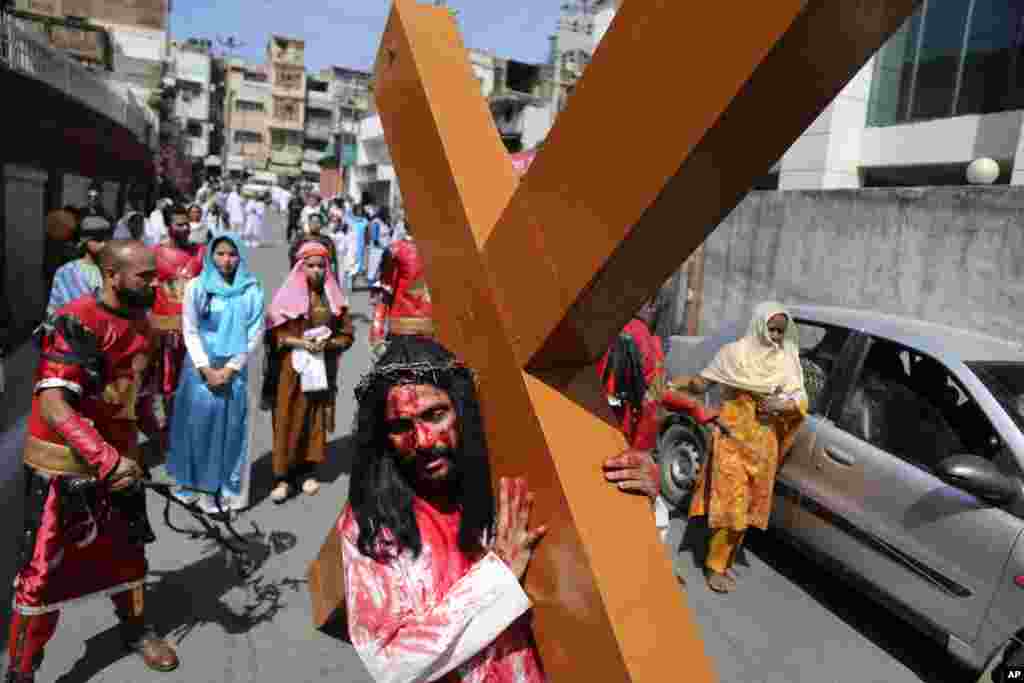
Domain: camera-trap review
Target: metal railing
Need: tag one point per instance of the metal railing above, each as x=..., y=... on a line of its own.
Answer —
x=319, y=131
x=22, y=52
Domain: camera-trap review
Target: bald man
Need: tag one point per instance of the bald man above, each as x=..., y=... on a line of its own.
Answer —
x=85, y=523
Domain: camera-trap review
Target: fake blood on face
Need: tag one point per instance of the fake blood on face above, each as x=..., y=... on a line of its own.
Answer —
x=422, y=429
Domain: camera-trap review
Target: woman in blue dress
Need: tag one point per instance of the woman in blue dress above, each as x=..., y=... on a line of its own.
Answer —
x=222, y=322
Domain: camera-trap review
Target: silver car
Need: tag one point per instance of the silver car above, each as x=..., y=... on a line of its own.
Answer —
x=908, y=475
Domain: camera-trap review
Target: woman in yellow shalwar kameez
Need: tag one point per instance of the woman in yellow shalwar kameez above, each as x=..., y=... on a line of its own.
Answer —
x=764, y=401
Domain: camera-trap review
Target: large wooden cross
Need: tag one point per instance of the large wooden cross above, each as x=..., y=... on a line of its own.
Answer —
x=683, y=106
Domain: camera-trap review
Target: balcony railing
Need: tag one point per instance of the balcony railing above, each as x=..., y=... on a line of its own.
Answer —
x=319, y=131
x=28, y=55
x=286, y=157
x=313, y=156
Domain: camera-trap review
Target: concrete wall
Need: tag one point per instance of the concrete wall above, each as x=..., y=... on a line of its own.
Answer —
x=949, y=255
x=25, y=227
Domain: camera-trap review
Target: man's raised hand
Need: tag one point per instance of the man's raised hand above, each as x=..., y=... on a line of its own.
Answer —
x=635, y=472
x=513, y=541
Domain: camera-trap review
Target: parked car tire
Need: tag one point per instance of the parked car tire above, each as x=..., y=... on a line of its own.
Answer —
x=681, y=451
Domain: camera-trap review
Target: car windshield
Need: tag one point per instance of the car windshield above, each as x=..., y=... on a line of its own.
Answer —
x=1006, y=382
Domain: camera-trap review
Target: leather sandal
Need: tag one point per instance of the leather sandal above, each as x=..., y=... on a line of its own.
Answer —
x=720, y=583
x=156, y=652
x=280, y=492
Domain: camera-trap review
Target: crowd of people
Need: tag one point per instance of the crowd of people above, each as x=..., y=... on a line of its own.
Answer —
x=150, y=336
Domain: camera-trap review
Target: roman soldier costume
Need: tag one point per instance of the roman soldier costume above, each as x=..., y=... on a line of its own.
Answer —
x=633, y=374
x=404, y=306
x=81, y=538
x=175, y=266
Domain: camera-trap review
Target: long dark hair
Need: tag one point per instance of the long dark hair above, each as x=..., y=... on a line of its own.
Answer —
x=380, y=496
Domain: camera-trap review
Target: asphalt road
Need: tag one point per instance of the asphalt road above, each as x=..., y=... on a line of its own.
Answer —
x=788, y=622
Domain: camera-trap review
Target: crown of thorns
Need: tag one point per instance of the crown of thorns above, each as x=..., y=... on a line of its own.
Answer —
x=418, y=372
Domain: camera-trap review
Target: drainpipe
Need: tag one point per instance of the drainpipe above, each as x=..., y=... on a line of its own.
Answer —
x=695, y=291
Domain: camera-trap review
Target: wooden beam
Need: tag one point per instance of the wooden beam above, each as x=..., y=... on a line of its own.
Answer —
x=592, y=619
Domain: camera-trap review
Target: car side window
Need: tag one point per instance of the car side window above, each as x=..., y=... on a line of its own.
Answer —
x=942, y=390
x=820, y=347
x=912, y=415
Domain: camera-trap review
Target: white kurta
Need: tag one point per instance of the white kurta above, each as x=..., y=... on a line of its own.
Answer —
x=236, y=211
x=307, y=211
x=156, y=229
x=254, y=211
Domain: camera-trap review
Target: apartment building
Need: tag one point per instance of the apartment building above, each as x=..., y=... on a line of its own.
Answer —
x=944, y=91
x=246, y=109
x=286, y=114
x=190, y=65
x=320, y=127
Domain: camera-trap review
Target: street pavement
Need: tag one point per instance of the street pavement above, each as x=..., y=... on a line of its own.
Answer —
x=788, y=622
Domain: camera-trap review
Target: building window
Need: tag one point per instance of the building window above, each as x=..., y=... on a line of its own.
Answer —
x=288, y=79
x=283, y=139
x=195, y=129
x=951, y=59
x=245, y=105
x=286, y=110
x=245, y=136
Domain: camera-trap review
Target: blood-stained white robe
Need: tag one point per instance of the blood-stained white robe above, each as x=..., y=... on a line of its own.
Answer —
x=441, y=615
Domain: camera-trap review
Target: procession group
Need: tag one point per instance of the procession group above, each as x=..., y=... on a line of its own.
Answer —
x=157, y=339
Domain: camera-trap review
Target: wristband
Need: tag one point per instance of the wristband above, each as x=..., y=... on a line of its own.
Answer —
x=83, y=438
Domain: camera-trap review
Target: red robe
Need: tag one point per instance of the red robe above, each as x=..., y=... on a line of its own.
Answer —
x=81, y=554
x=175, y=267
x=406, y=307
x=440, y=616
x=640, y=426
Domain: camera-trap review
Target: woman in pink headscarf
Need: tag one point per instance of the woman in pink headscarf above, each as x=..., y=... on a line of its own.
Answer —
x=309, y=329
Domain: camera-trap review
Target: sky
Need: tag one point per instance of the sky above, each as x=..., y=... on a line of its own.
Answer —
x=347, y=32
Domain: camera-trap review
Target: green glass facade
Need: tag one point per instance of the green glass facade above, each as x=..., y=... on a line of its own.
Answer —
x=952, y=57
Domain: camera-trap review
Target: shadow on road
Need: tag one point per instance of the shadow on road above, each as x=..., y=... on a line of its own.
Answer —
x=916, y=651
x=340, y=454
x=101, y=651
x=205, y=592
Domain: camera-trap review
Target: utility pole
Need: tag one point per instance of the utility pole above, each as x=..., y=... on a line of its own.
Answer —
x=694, y=291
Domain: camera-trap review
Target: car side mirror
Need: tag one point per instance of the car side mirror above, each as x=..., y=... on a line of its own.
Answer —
x=979, y=477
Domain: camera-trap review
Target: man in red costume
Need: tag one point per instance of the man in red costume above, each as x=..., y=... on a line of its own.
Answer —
x=633, y=373
x=85, y=523
x=403, y=300
x=177, y=262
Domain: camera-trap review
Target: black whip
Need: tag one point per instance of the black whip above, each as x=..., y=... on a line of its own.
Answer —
x=235, y=548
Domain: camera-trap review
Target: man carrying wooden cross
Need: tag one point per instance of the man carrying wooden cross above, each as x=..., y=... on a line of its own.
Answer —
x=433, y=576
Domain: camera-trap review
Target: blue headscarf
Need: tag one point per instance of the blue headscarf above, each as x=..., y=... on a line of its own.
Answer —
x=243, y=312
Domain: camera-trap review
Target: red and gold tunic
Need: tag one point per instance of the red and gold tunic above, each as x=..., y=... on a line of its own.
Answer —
x=640, y=426
x=100, y=357
x=406, y=307
x=175, y=267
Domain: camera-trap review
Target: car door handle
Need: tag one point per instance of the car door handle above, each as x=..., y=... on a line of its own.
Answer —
x=839, y=456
